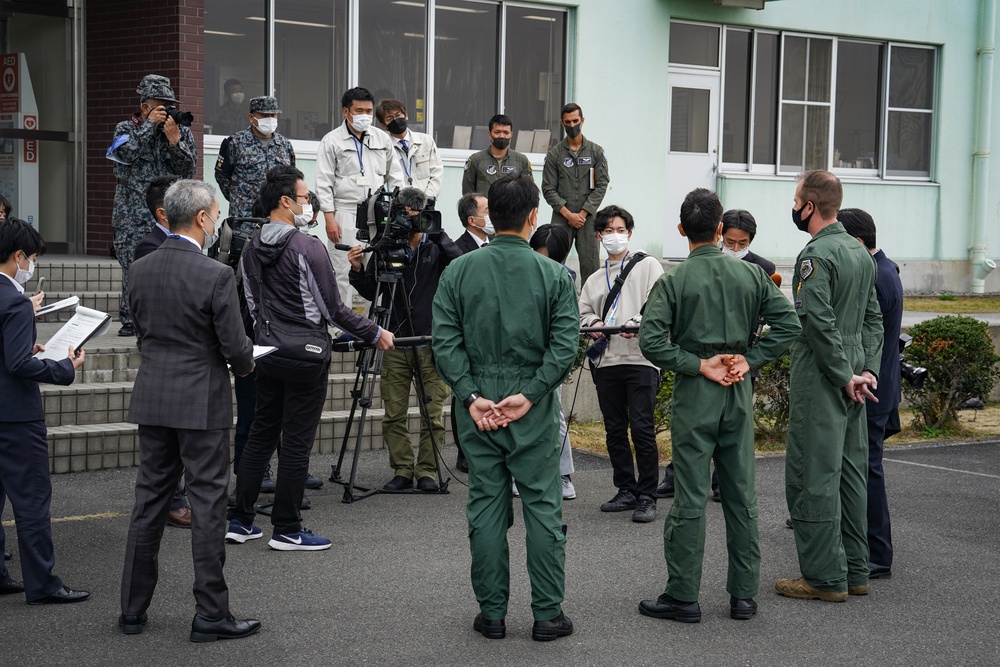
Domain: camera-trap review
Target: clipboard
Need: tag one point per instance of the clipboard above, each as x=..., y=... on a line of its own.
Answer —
x=84, y=325
x=70, y=302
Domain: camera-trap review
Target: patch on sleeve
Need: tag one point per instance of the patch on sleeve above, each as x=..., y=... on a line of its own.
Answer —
x=805, y=269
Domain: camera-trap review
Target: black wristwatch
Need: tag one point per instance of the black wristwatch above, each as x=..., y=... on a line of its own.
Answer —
x=470, y=400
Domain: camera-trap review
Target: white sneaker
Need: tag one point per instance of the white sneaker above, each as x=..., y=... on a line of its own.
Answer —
x=513, y=489
x=569, y=491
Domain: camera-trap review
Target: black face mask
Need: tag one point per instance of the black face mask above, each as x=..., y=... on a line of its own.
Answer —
x=573, y=131
x=397, y=125
x=500, y=143
x=802, y=224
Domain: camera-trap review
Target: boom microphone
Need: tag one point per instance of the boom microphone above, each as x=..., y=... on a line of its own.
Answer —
x=777, y=279
x=412, y=198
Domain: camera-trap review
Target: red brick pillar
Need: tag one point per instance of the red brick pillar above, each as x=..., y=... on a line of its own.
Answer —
x=126, y=40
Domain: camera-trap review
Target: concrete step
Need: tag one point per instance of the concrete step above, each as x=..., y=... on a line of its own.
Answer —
x=106, y=302
x=116, y=445
x=64, y=273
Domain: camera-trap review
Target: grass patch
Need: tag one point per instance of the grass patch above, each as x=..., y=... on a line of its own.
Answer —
x=953, y=305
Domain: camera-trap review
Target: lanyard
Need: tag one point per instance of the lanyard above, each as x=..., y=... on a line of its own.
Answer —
x=607, y=277
x=359, y=146
x=403, y=161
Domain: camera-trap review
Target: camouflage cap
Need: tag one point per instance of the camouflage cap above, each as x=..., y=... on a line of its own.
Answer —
x=264, y=104
x=154, y=86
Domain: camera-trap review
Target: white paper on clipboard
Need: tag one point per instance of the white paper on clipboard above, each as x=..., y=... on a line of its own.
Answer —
x=86, y=324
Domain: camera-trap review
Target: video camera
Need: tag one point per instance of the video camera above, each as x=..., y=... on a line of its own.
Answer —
x=383, y=218
x=184, y=118
x=915, y=375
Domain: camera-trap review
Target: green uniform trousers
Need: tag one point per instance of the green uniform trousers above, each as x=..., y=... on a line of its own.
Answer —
x=711, y=421
x=397, y=374
x=527, y=449
x=826, y=478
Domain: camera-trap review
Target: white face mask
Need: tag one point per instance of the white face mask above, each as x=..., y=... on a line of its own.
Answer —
x=487, y=225
x=615, y=243
x=267, y=126
x=738, y=254
x=23, y=276
x=237, y=98
x=361, y=122
x=213, y=238
x=303, y=219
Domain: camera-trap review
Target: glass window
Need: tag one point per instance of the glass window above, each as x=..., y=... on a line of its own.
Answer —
x=310, y=65
x=689, y=114
x=805, y=108
x=765, y=103
x=692, y=44
x=392, y=54
x=911, y=111
x=856, y=119
x=736, y=97
x=534, y=67
x=235, y=62
x=466, y=74
x=807, y=69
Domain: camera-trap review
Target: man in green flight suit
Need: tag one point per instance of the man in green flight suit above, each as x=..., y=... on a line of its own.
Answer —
x=505, y=335
x=826, y=466
x=698, y=322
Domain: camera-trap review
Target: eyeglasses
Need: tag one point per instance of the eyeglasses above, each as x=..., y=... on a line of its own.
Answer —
x=389, y=117
x=297, y=197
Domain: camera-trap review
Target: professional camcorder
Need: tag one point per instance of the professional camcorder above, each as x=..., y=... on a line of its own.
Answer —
x=915, y=375
x=184, y=118
x=383, y=218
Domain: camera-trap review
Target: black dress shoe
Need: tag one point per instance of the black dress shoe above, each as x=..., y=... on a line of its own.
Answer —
x=398, y=483
x=742, y=609
x=64, y=595
x=879, y=571
x=427, y=485
x=126, y=330
x=546, y=631
x=207, y=630
x=489, y=628
x=131, y=624
x=460, y=463
x=313, y=482
x=667, y=607
x=11, y=587
x=666, y=487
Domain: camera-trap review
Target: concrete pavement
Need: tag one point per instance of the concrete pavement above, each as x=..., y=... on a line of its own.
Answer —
x=394, y=590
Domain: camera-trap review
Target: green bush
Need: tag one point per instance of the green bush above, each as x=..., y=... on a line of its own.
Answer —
x=771, y=399
x=958, y=353
x=664, y=393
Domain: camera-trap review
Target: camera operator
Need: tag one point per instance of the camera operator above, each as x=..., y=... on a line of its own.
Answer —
x=883, y=416
x=156, y=141
x=427, y=255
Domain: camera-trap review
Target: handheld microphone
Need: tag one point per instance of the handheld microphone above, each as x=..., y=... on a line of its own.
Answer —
x=777, y=279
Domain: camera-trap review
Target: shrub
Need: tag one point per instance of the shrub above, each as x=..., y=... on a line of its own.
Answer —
x=771, y=399
x=664, y=394
x=958, y=353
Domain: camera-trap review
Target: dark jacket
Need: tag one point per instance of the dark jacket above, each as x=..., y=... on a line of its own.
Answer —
x=420, y=282
x=301, y=286
x=467, y=242
x=150, y=242
x=763, y=263
x=889, y=291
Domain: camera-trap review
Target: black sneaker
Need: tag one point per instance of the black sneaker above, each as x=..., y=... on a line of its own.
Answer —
x=666, y=487
x=645, y=509
x=267, y=484
x=623, y=501
x=313, y=482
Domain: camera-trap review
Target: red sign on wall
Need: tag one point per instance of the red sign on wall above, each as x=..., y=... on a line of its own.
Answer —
x=9, y=68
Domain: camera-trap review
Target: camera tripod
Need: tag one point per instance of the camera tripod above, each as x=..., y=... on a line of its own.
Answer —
x=369, y=367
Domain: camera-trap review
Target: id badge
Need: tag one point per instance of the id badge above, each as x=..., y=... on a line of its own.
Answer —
x=363, y=181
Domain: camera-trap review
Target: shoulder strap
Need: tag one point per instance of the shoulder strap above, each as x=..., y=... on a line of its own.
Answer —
x=616, y=288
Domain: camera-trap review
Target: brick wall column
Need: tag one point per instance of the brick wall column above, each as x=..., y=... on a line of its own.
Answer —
x=126, y=40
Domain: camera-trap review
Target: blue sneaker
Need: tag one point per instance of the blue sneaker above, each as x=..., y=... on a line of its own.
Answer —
x=304, y=540
x=238, y=533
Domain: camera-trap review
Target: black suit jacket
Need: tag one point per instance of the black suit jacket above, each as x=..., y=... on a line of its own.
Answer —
x=187, y=322
x=20, y=373
x=762, y=262
x=889, y=290
x=467, y=242
x=150, y=242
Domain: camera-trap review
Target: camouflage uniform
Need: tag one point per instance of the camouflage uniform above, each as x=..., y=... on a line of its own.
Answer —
x=141, y=152
x=245, y=158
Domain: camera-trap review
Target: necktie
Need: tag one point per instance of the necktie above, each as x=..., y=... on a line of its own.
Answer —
x=405, y=145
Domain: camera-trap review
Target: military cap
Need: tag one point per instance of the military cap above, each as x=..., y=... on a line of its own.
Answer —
x=154, y=86
x=265, y=104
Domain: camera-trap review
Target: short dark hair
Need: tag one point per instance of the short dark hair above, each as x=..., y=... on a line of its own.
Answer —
x=609, y=213
x=737, y=218
x=467, y=207
x=824, y=190
x=227, y=87
x=279, y=182
x=554, y=239
x=16, y=234
x=860, y=224
x=701, y=213
x=570, y=107
x=511, y=199
x=7, y=207
x=258, y=210
x=385, y=106
x=157, y=189
x=499, y=119
x=356, y=94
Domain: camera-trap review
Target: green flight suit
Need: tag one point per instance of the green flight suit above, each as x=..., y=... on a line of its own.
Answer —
x=482, y=169
x=826, y=467
x=505, y=322
x=709, y=305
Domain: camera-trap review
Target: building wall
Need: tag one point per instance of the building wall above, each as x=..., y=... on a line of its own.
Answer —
x=127, y=39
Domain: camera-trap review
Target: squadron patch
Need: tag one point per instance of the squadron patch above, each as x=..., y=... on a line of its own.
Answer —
x=805, y=269
x=568, y=162
x=491, y=169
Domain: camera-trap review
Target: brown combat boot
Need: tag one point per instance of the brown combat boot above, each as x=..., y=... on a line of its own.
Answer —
x=800, y=589
x=860, y=589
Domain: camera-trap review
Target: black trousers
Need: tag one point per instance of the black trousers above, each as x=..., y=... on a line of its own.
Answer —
x=879, y=528
x=289, y=412
x=24, y=479
x=203, y=458
x=246, y=402
x=627, y=395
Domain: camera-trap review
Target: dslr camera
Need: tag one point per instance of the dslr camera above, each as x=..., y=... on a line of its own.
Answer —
x=915, y=375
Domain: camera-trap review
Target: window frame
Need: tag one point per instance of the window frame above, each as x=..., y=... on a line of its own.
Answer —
x=890, y=44
x=806, y=103
x=883, y=99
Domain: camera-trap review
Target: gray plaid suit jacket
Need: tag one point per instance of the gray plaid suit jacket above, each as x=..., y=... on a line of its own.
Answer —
x=187, y=321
